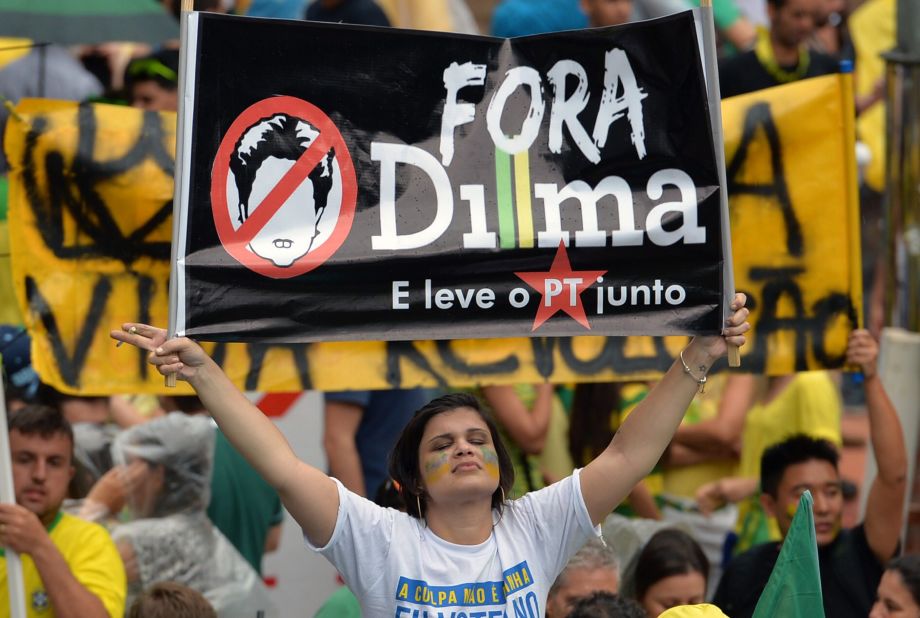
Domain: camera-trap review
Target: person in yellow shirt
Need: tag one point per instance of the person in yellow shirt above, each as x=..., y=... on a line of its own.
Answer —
x=71, y=567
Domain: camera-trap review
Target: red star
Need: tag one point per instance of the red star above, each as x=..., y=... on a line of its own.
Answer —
x=561, y=289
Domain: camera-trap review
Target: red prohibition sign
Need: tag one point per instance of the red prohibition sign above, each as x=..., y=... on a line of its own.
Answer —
x=236, y=240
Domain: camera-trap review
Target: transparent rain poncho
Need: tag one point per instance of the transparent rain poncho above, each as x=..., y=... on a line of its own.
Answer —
x=172, y=537
x=92, y=444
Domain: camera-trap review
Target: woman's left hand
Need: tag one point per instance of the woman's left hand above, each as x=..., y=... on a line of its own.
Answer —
x=733, y=333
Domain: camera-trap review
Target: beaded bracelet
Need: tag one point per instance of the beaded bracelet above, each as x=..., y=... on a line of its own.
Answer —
x=699, y=380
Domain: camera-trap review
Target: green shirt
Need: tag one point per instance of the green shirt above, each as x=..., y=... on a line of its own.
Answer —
x=342, y=604
x=243, y=506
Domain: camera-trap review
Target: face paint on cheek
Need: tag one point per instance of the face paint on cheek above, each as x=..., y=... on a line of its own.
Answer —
x=791, y=509
x=490, y=460
x=436, y=468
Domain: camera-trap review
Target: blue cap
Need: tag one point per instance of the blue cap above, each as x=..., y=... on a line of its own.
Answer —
x=513, y=18
x=281, y=9
x=22, y=380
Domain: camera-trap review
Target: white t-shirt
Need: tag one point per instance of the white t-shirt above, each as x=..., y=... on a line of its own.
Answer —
x=397, y=567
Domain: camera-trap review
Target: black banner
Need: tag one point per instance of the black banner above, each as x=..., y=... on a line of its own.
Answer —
x=352, y=183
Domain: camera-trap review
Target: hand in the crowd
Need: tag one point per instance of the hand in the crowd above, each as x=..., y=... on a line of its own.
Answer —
x=20, y=529
x=716, y=494
x=117, y=56
x=129, y=559
x=733, y=333
x=865, y=101
x=862, y=350
x=181, y=357
x=113, y=488
x=710, y=497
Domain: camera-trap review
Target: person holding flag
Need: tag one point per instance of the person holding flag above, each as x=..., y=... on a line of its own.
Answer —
x=71, y=567
x=851, y=560
x=461, y=546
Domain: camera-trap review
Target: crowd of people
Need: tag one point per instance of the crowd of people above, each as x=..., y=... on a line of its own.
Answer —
x=581, y=500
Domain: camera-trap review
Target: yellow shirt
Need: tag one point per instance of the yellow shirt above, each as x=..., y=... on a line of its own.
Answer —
x=683, y=481
x=809, y=405
x=418, y=14
x=555, y=458
x=93, y=560
x=873, y=29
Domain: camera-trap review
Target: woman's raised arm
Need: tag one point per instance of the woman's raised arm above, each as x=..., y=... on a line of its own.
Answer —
x=308, y=494
x=646, y=432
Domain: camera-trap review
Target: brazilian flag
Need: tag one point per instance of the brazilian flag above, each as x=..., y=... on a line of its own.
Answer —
x=794, y=588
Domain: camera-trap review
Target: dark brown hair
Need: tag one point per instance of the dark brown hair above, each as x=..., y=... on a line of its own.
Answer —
x=171, y=600
x=604, y=605
x=909, y=569
x=795, y=449
x=589, y=424
x=669, y=552
x=404, y=462
x=43, y=420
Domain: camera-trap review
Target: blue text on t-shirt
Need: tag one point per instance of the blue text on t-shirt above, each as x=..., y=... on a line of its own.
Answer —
x=473, y=594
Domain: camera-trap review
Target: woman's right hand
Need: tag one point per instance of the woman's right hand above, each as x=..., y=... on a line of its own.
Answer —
x=181, y=357
x=308, y=494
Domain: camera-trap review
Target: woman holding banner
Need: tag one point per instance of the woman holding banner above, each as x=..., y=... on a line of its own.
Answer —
x=461, y=546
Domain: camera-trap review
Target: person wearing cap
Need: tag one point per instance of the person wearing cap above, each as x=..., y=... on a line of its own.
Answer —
x=20, y=380
x=152, y=82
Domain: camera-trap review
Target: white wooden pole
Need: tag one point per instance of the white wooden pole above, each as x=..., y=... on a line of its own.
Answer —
x=14, y=577
x=711, y=68
x=180, y=179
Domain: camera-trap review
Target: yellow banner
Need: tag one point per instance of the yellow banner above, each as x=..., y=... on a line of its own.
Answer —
x=90, y=223
x=9, y=312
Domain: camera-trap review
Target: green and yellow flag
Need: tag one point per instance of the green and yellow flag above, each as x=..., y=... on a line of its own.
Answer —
x=794, y=588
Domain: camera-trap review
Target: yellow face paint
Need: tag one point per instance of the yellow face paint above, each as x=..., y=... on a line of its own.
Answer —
x=490, y=459
x=791, y=508
x=436, y=467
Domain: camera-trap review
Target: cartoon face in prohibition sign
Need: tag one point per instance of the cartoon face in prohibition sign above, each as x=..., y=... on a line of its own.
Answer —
x=283, y=188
